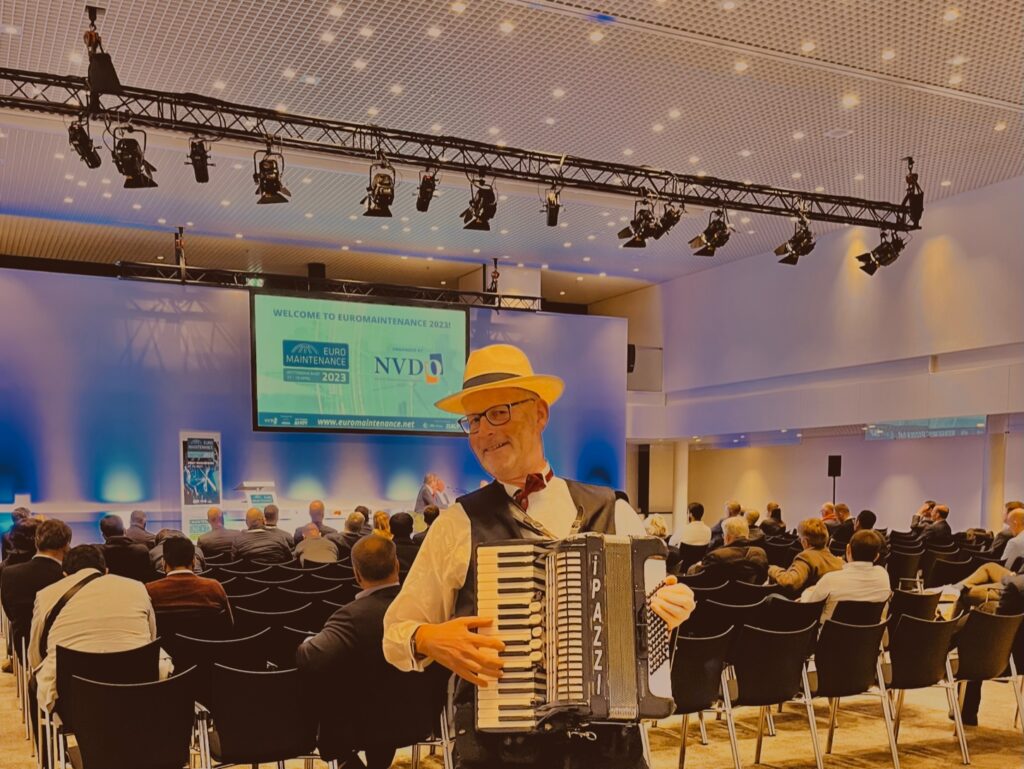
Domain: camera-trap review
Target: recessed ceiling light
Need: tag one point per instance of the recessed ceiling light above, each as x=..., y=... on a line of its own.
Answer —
x=858, y=177
x=476, y=250
x=69, y=177
x=999, y=126
x=838, y=133
x=958, y=60
x=744, y=220
x=799, y=136
x=307, y=179
x=457, y=7
x=396, y=90
x=3, y=135
x=237, y=166
x=951, y=14
x=434, y=228
x=751, y=232
x=888, y=54
x=436, y=128
x=693, y=160
x=727, y=5
x=160, y=257
x=702, y=173
x=502, y=198
x=327, y=37
x=75, y=58
x=748, y=181
x=161, y=220
x=288, y=73
x=308, y=214
x=69, y=200
x=404, y=219
x=591, y=237
x=744, y=153
x=281, y=108
x=627, y=152
x=10, y=29
x=352, y=217
x=433, y=31
x=225, y=203
x=585, y=258
x=359, y=64
x=406, y=229
x=359, y=242
x=674, y=114
x=336, y=11
x=549, y=121
x=189, y=224
x=563, y=225
x=850, y=100
x=579, y=278
x=799, y=435
x=636, y=269
x=945, y=183
x=310, y=79
x=819, y=189
x=107, y=195
x=104, y=181
x=506, y=27
x=557, y=93
x=521, y=264
x=544, y=266
x=596, y=36
x=561, y=293
x=366, y=31
x=444, y=282
x=796, y=175
x=372, y=111
x=58, y=155
x=740, y=66
x=344, y=248
x=657, y=128
x=503, y=232
x=81, y=182
x=219, y=85
x=238, y=235
x=956, y=78
x=501, y=143
x=403, y=257
x=808, y=45
x=493, y=130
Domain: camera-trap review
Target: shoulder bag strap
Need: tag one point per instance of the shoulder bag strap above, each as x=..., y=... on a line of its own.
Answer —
x=57, y=608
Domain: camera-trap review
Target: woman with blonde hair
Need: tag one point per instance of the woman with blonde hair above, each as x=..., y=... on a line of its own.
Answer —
x=382, y=524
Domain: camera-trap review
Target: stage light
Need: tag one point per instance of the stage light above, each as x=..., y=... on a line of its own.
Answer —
x=882, y=255
x=130, y=159
x=642, y=226
x=483, y=205
x=428, y=183
x=267, y=173
x=670, y=217
x=380, y=193
x=715, y=235
x=102, y=76
x=801, y=244
x=199, y=159
x=913, y=200
x=553, y=204
x=81, y=142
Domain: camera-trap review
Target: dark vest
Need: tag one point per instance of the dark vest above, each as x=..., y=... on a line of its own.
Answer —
x=491, y=520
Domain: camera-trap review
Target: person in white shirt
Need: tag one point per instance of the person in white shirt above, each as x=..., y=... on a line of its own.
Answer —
x=109, y=614
x=859, y=579
x=505, y=409
x=1015, y=547
x=695, y=532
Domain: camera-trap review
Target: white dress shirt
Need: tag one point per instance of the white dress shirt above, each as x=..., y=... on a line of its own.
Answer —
x=1014, y=549
x=110, y=614
x=856, y=581
x=693, y=533
x=439, y=571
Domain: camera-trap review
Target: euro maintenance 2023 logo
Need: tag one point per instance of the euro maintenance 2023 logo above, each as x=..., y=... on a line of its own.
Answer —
x=431, y=369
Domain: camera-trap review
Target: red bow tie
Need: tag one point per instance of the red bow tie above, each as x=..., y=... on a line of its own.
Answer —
x=534, y=482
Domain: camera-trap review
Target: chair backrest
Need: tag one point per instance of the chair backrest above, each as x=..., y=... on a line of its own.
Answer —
x=920, y=605
x=239, y=586
x=703, y=580
x=689, y=555
x=980, y=559
x=845, y=658
x=949, y=571
x=249, y=653
x=745, y=593
x=783, y=614
x=209, y=623
x=133, y=666
x=249, y=599
x=249, y=621
x=984, y=643
x=270, y=580
x=159, y=739
x=245, y=735
x=837, y=548
x=322, y=581
x=858, y=612
x=243, y=568
x=902, y=565
x=918, y=650
x=712, y=617
x=781, y=554
x=697, y=671
x=769, y=664
x=288, y=640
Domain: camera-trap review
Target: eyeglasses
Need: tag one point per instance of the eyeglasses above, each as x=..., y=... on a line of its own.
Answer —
x=496, y=415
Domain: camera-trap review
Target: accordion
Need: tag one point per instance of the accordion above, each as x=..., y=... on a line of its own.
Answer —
x=581, y=642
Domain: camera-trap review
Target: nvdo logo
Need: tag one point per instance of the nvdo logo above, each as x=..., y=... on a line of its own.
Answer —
x=431, y=370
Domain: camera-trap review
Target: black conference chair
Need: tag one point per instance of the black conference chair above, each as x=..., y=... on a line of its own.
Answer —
x=781, y=554
x=712, y=617
x=242, y=733
x=744, y=592
x=858, y=612
x=689, y=555
x=848, y=662
x=701, y=579
x=243, y=568
x=837, y=548
x=697, y=666
x=339, y=594
x=785, y=615
x=949, y=571
x=192, y=622
x=241, y=586
x=270, y=580
x=919, y=605
x=288, y=640
x=247, y=653
x=249, y=598
x=249, y=621
x=161, y=739
x=902, y=564
x=919, y=658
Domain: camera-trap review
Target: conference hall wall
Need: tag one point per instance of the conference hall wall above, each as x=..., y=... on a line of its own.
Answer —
x=99, y=376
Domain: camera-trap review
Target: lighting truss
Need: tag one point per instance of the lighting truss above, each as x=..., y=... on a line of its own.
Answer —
x=188, y=113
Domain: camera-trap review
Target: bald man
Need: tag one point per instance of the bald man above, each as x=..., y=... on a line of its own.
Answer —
x=316, y=518
x=258, y=543
x=217, y=540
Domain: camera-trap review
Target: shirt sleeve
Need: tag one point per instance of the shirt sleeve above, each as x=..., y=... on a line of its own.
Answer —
x=1012, y=552
x=429, y=591
x=627, y=520
x=818, y=591
x=794, y=577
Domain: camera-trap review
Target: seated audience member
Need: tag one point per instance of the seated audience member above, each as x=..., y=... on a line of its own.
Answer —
x=382, y=524
x=938, y=532
x=753, y=516
x=123, y=556
x=656, y=527
x=811, y=564
x=316, y=517
x=22, y=581
x=737, y=559
x=401, y=535
x=865, y=521
x=257, y=543
x=860, y=579
x=842, y=532
x=271, y=513
x=1014, y=547
x=218, y=539
x=923, y=517
x=367, y=519
x=315, y=547
x=156, y=555
x=772, y=525
x=695, y=532
x=351, y=533
x=136, y=531
x=828, y=514
x=989, y=579
x=731, y=509
x=1004, y=536
x=348, y=653
x=430, y=513
x=182, y=588
x=18, y=515
x=23, y=542
x=108, y=614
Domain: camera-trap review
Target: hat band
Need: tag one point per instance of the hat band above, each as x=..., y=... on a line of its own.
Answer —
x=483, y=379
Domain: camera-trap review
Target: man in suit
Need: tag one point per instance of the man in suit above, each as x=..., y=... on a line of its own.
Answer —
x=842, y=531
x=181, y=588
x=428, y=493
x=738, y=559
x=717, y=537
x=922, y=519
x=123, y=556
x=1004, y=536
x=430, y=513
x=352, y=533
x=258, y=543
x=22, y=581
x=316, y=517
x=271, y=514
x=347, y=653
x=137, y=530
x=218, y=539
x=401, y=535
x=809, y=565
x=939, y=532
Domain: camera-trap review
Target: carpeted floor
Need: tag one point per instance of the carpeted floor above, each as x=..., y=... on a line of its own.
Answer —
x=926, y=737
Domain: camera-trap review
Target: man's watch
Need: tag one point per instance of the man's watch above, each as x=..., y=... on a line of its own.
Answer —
x=412, y=646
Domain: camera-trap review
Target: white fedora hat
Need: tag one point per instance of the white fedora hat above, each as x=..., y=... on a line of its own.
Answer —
x=501, y=365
